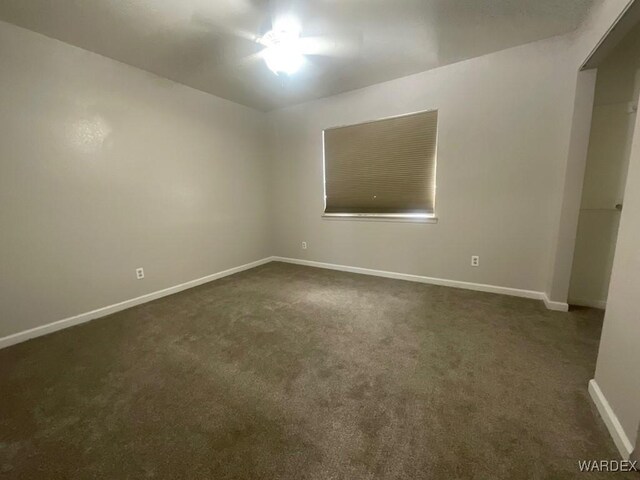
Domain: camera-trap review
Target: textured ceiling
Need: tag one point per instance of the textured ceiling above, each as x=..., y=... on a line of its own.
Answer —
x=207, y=44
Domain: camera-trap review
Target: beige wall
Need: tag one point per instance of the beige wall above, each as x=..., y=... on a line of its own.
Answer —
x=504, y=123
x=619, y=355
x=105, y=168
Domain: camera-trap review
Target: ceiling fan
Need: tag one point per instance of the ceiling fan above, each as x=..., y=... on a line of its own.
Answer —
x=284, y=47
x=283, y=52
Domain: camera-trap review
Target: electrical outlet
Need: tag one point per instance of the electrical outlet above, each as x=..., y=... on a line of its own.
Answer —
x=475, y=261
x=140, y=273
x=304, y=245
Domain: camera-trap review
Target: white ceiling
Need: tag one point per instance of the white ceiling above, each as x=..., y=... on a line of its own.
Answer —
x=207, y=44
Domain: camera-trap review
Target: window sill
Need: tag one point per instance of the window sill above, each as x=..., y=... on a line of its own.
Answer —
x=371, y=217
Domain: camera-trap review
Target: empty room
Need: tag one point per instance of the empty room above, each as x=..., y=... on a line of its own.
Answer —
x=319, y=239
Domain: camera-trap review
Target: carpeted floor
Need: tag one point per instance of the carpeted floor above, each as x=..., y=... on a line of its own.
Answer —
x=289, y=372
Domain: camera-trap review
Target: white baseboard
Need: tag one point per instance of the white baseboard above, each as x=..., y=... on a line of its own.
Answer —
x=108, y=310
x=481, y=287
x=553, y=305
x=601, y=304
x=610, y=420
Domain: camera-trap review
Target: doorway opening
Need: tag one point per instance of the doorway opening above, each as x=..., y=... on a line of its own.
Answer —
x=612, y=125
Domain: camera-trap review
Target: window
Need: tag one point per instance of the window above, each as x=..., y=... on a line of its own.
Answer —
x=385, y=168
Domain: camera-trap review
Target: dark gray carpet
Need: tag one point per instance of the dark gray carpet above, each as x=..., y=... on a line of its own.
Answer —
x=289, y=372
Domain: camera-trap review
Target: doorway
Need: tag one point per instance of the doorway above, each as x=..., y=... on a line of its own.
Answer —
x=613, y=121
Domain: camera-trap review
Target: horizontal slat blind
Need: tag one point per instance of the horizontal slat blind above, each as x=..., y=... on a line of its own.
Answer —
x=382, y=167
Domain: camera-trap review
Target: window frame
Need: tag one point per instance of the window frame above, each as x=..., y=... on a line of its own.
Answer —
x=383, y=217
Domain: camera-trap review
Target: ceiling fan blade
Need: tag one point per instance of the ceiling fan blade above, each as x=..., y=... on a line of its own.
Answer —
x=343, y=45
x=242, y=62
x=223, y=28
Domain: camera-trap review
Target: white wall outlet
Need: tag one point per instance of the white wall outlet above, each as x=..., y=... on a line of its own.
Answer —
x=304, y=245
x=475, y=261
x=140, y=273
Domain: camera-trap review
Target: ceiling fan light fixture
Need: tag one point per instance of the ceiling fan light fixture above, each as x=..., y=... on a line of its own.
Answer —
x=283, y=52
